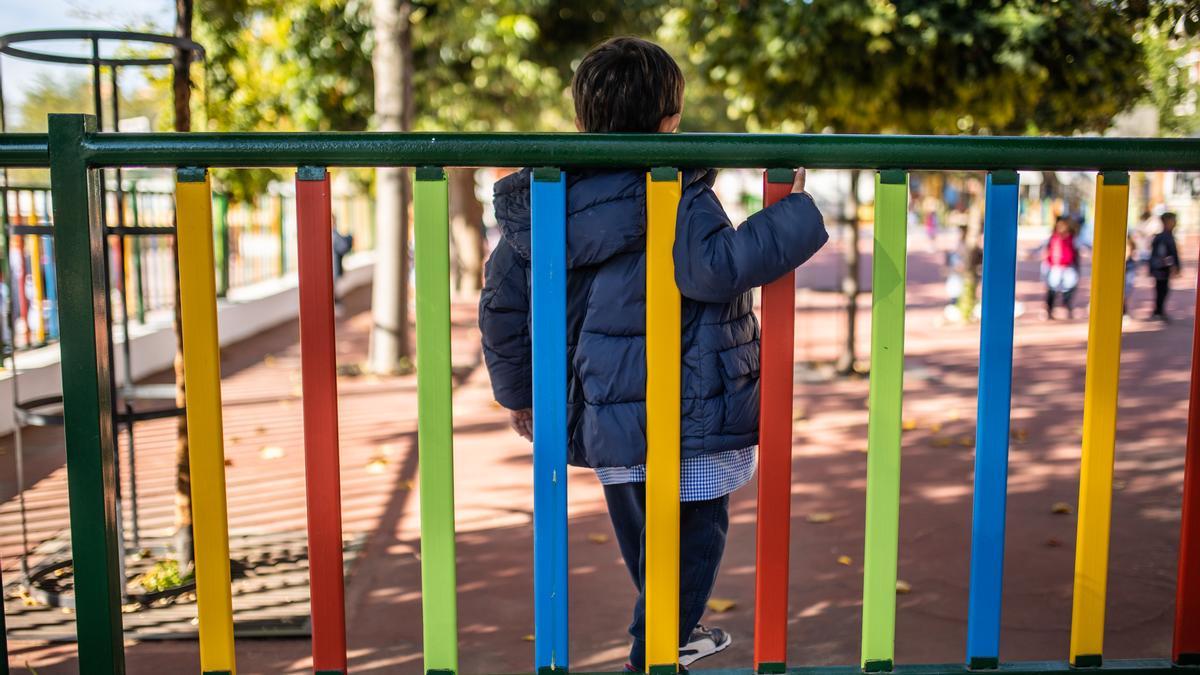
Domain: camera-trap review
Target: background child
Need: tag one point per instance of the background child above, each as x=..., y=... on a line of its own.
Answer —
x=631, y=85
x=1061, y=266
x=1164, y=264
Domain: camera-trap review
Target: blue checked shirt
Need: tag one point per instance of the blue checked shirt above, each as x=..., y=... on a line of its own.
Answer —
x=701, y=477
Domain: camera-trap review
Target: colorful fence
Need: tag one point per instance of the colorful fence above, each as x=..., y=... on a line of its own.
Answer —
x=76, y=151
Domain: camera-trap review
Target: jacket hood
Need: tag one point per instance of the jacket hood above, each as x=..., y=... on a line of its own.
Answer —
x=606, y=212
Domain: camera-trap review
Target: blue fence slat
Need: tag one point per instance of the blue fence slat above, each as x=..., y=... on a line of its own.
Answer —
x=549, y=318
x=992, y=424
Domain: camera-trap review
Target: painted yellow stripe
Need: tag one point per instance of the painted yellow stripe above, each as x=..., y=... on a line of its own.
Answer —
x=35, y=269
x=201, y=359
x=1099, y=419
x=662, y=426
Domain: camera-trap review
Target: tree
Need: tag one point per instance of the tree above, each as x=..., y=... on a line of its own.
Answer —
x=916, y=66
x=393, y=66
x=315, y=64
x=182, y=90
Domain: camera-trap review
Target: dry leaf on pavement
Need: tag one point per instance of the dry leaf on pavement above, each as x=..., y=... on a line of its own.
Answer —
x=721, y=605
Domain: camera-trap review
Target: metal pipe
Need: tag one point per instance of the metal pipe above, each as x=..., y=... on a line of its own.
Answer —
x=817, y=151
x=832, y=151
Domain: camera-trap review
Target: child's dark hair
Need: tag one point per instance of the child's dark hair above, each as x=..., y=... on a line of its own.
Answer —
x=626, y=84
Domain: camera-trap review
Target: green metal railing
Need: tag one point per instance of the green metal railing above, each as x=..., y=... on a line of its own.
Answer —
x=74, y=151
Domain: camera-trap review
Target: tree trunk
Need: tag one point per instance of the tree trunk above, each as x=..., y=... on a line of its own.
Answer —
x=466, y=231
x=392, y=62
x=845, y=362
x=184, y=552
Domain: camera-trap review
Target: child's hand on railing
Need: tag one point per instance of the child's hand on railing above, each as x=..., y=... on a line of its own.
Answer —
x=798, y=182
x=522, y=422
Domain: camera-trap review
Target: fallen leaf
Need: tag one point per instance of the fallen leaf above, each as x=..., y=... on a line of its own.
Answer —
x=1053, y=542
x=819, y=517
x=903, y=587
x=799, y=414
x=271, y=452
x=1020, y=435
x=260, y=430
x=941, y=442
x=908, y=425
x=350, y=369
x=965, y=441
x=377, y=465
x=228, y=462
x=235, y=439
x=528, y=638
x=935, y=427
x=1061, y=508
x=844, y=560
x=408, y=484
x=720, y=605
x=269, y=360
x=598, y=538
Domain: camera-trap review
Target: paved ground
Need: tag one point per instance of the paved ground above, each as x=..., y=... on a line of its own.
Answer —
x=494, y=499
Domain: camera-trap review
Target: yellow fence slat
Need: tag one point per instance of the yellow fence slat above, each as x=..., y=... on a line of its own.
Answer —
x=201, y=359
x=1099, y=419
x=662, y=423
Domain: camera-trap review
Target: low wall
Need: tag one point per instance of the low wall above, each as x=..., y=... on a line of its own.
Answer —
x=247, y=311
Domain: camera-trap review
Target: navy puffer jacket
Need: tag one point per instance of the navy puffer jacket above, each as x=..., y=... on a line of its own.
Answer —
x=716, y=266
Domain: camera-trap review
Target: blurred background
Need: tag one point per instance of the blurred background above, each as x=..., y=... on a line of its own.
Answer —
x=975, y=67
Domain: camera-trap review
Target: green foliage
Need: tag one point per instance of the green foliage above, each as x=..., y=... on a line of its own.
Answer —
x=163, y=575
x=1172, y=90
x=917, y=66
x=295, y=66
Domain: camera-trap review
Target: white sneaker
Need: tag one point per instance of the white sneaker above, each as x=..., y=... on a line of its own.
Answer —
x=703, y=642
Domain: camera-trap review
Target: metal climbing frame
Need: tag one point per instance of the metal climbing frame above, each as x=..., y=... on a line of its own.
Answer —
x=77, y=152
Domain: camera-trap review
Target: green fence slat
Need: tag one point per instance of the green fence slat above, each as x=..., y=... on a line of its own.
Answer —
x=884, y=424
x=87, y=399
x=435, y=442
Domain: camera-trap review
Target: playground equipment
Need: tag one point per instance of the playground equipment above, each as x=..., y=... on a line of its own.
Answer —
x=75, y=152
x=135, y=403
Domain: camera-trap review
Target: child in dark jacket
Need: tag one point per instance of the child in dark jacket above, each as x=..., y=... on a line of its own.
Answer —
x=631, y=85
x=1164, y=264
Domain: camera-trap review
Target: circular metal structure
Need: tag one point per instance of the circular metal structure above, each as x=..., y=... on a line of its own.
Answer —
x=132, y=403
x=194, y=49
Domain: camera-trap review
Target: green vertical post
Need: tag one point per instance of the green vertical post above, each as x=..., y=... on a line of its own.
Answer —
x=884, y=421
x=280, y=228
x=139, y=291
x=435, y=428
x=221, y=232
x=87, y=398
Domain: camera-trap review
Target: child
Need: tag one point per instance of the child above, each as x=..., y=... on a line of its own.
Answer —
x=1061, y=266
x=631, y=85
x=1164, y=263
x=1131, y=261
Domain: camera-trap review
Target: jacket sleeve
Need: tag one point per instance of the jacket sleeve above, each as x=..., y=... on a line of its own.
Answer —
x=504, y=325
x=714, y=262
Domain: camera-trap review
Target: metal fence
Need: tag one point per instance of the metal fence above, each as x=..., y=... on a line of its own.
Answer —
x=76, y=152
x=255, y=241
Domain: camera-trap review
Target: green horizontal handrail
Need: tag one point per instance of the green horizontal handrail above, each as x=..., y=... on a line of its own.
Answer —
x=833, y=151
x=24, y=151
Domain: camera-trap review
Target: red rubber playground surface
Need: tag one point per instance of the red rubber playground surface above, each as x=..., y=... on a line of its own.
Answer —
x=494, y=497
